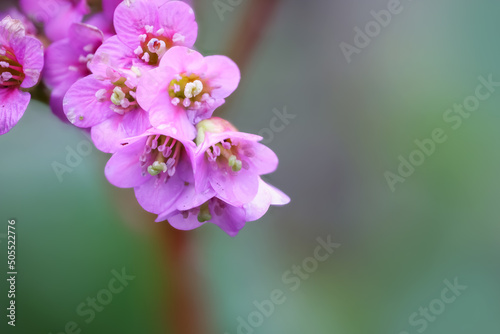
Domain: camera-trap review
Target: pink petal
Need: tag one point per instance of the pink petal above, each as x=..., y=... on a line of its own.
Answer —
x=157, y=197
x=58, y=58
x=232, y=219
x=162, y=116
x=135, y=122
x=235, y=188
x=123, y=170
x=178, y=17
x=266, y=196
x=178, y=221
x=108, y=135
x=263, y=160
x=190, y=198
x=29, y=53
x=153, y=87
x=112, y=53
x=13, y=104
x=183, y=59
x=81, y=105
x=56, y=103
x=132, y=17
x=57, y=27
x=222, y=74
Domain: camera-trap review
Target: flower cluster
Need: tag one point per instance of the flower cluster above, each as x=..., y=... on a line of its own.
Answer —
x=148, y=98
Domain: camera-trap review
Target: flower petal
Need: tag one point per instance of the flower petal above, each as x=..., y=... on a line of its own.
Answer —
x=155, y=196
x=108, y=135
x=112, y=53
x=13, y=104
x=178, y=18
x=123, y=170
x=267, y=196
x=81, y=105
x=183, y=60
x=223, y=74
x=29, y=53
x=231, y=220
x=235, y=188
x=131, y=18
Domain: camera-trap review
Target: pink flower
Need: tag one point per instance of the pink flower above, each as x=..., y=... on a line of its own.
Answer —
x=186, y=88
x=231, y=219
x=21, y=62
x=151, y=27
x=157, y=165
x=57, y=15
x=230, y=162
x=105, y=102
x=66, y=62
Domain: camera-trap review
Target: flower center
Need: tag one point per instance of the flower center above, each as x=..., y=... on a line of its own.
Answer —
x=122, y=95
x=190, y=91
x=11, y=72
x=161, y=156
x=153, y=45
x=226, y=153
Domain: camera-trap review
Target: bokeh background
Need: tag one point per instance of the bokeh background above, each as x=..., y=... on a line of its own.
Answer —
x=352, y=121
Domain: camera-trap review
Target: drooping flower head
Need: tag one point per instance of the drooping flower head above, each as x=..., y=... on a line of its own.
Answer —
x=151, y=27
x=21, y=62
x=186, y=88
x=67, y=61
x=105, y=101
x=231, y=219
x=57, y=16
x=157, y=165
x=230, y=162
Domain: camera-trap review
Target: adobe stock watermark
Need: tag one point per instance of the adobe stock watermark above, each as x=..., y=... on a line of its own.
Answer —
x=224, y=6
x=88, y=309
x=277, y=124
x=429, y=313
x=363, y=37
x=454, y=118
x=292, y=279
x=74, y=158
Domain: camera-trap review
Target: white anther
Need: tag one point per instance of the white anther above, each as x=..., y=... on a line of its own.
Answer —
x=117, y=96
x=193, y=89
x=138, y=51
x=100, y=95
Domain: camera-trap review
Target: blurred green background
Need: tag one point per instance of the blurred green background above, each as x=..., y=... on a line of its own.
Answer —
x=352, y=122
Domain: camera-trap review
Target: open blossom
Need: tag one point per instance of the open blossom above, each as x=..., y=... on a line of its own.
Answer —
x=231, y=219
x=57, y=16
x=186, y=88
x=157, y=165
x=67, y=61
x=151, y=27
x=231, y=162
x=105, y=102
x=21, y=62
